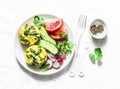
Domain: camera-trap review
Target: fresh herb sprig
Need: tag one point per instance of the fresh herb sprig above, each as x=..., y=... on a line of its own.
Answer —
x=97, y=56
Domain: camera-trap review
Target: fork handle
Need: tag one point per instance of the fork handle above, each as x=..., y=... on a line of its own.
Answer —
x=72, y=72
x=79, y=68
x=80, y=71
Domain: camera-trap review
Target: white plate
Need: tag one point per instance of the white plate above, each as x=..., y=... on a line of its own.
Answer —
x=20, y=49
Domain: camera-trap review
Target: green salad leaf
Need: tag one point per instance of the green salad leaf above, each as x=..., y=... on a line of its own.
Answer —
x=63, y=35
x=65, y=47
x=68, y=52
x=39, y=21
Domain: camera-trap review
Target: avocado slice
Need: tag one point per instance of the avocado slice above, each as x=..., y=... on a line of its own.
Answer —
x=48, y=46
x=45, y=35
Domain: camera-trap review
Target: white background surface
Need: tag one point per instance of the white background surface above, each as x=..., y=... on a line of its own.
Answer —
x=106, y=76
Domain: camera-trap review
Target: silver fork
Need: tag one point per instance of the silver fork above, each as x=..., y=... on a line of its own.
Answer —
x=80, y=31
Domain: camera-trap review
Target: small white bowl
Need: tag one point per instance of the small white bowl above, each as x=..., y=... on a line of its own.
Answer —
x=98, y=35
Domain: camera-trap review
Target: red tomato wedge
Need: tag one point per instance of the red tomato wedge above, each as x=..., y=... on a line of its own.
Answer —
x=54, y=25
x=60, y=34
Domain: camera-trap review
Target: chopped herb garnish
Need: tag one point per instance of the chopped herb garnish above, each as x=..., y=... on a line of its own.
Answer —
x=22, y=38
x=33, y=33
x=33, y=51
x=27, y=32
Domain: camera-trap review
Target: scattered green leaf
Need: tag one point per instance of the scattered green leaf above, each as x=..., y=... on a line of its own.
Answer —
x=97, y=56
x=98, y=53
x=92, y=58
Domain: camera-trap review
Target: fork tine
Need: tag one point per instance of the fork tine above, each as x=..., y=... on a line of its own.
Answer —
x=81, y=25
x=82, y=21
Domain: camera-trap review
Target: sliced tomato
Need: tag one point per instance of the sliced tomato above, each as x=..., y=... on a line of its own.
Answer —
x=54, y=25
x=61, y=30
x=60, y=34
x=56, y=37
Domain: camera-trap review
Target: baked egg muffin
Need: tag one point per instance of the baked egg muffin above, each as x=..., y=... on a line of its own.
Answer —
x=35, y=56
x=29, y=34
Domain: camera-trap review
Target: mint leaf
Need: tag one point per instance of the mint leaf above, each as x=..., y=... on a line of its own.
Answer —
x=97, y=56
x=92, y=57
x=98, y=53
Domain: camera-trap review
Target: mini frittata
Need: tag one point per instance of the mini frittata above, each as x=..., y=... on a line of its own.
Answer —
x=35, y=56
x=29, y=34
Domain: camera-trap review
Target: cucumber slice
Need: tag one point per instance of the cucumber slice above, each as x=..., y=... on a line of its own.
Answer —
x=45, y=35
x=48, y=46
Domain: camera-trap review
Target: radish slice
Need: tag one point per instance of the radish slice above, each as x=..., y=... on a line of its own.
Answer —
x=59, y=59
x=63, y=56
x=56, y=65
x=51, y=57
x=49, y=62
